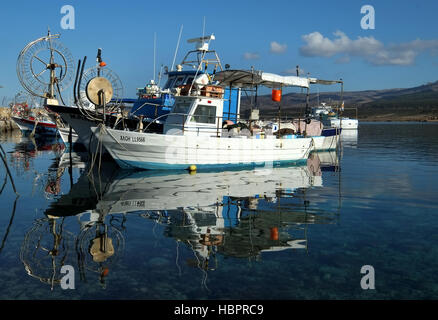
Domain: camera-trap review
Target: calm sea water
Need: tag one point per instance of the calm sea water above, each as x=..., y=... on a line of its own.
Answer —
x=283, y=233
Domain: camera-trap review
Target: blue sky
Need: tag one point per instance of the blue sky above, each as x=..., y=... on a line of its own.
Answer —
x=323, y=37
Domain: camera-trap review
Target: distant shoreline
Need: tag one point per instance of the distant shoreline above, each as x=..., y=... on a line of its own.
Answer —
x=5, y=114
x=403, y=118
x=395, y=120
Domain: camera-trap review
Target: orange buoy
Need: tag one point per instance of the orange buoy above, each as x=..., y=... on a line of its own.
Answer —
x=276, y=95
x=274, y=233
x=102, y=64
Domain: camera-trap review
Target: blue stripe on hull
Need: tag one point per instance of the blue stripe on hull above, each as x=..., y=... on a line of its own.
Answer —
x=168, y=166
x=330, y=132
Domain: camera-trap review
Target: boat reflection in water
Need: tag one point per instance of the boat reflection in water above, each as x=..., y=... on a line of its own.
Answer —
x=28, y=148
x=235, y=213
x=349, y=138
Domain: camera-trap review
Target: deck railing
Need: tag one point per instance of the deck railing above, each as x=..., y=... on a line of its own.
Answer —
x=218, y=126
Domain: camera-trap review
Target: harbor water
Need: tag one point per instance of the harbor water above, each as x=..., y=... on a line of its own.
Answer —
x=299, y=232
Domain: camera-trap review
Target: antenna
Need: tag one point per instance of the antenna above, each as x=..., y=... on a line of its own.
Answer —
x=177, y=46
x=203, y=29
x=200, y=44
x=160, y=75
x=155, y=44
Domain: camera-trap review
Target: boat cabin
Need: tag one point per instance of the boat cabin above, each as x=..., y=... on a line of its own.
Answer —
x=203, y=113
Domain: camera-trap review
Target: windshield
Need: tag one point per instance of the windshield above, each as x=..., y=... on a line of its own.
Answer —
x=204, y=114
x=181, y=107
x=169, y=83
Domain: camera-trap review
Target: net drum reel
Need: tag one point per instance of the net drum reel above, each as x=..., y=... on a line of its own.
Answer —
x=45, y=67
x=98, y=90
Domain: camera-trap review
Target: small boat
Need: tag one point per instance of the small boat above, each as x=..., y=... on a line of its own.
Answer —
x=32, y=120
x=330, y=118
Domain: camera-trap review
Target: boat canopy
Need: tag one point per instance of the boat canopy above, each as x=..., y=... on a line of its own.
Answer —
x=325, y=82
x=249, y=79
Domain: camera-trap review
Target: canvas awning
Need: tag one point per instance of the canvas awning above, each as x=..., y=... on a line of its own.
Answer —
x=325, y=82
x=250, y=79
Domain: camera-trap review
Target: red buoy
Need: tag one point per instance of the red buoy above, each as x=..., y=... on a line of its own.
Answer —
x=276, y=95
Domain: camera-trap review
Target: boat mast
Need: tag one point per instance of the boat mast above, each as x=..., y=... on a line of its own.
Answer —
x=177, y=46
x=52, y=67
x=155, y=51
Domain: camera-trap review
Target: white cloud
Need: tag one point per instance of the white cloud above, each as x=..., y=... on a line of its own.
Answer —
x=277, y=47
x=318, y=45
x=251, y=56
x=370, y=49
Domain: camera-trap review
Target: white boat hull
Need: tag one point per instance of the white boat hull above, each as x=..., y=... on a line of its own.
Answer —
x=345, y=124
x=161, y=151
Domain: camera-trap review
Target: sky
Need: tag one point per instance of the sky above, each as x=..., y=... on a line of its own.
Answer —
x=324, y=38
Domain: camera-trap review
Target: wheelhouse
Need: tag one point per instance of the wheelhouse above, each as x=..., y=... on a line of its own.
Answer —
x=195, y=115
x=180, y=78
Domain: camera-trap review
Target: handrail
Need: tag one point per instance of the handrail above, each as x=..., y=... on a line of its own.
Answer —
x=189, y=90
x=162, y=116
x=273, y=119
x=217, y=125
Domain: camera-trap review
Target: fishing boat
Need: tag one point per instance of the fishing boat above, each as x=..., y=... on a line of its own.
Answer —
x=198, y=133
x=201, y=131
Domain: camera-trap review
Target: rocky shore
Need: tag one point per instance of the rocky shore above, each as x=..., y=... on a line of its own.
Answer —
x=6, y=123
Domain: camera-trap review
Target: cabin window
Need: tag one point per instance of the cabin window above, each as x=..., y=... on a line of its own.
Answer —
x=189, y=80
x=181, y=107
x=179, y=81
x=204, y=114
x=169, y=83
